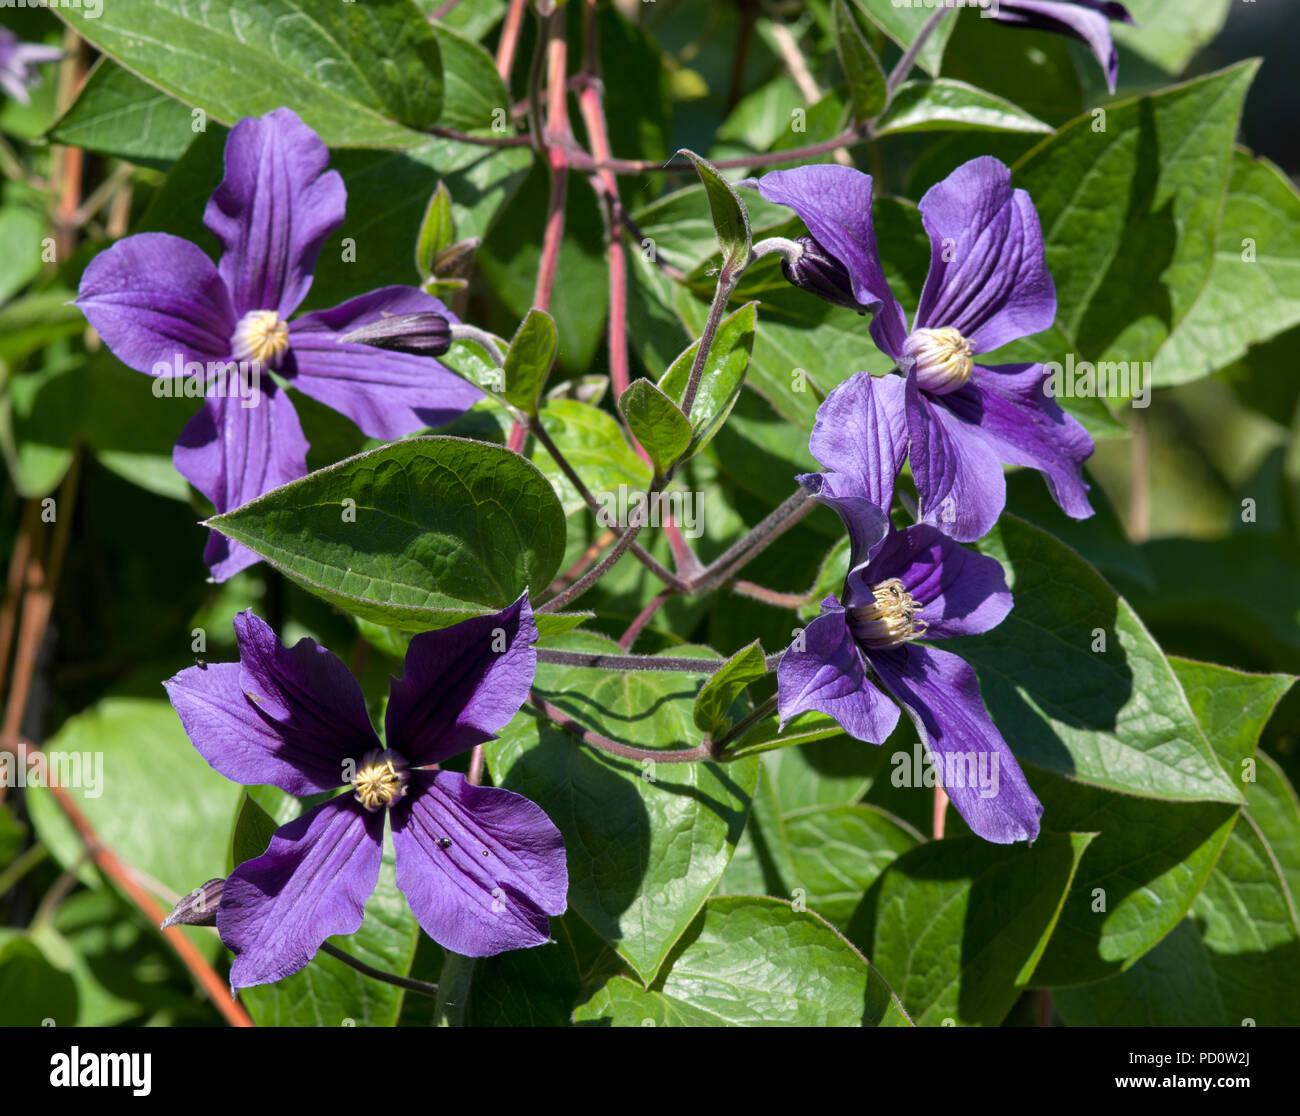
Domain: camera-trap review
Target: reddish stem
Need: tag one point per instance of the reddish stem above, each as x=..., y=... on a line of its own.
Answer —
x=643, y=617
x=509, y=41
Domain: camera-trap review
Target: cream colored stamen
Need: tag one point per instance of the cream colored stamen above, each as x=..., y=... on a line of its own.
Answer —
x=941, y=358
x=263, y=336
x=890, y=621
x=380, y=780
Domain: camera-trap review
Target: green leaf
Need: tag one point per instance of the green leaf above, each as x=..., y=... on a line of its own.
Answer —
x=529, y=360
x=1253, y=293
x=730, y=218
x=32, y=990
x=1170, y=35
x=945, y=105
x=657, y=423
x=415, y=535
x=1127, y=275
x=752, y=962
x=1150, y=861
x=21, y=231
x=722, y=378
x=867, y=89
x=593, y=442
x=437, y=230
x=714, y=701
x=1233, y=960
x=837, y=852
x=902, y=23
x=117, y=113
x=961, y=923
x=148, y=793
x=1075, y=680
x=360, y=75
x=475, y=97
x=646, y=842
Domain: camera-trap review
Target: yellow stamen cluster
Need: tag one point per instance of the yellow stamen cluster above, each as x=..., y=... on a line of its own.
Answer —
x=890, y=621
x=380, y=780
x=941, y=358
x=263, y=336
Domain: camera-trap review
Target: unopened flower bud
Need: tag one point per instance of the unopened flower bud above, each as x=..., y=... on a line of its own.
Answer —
x=423, y=334
x=199, y=907
x=818, y=272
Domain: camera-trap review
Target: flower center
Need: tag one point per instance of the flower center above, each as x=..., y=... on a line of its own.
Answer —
x=890, y=620
x=261, y=335
x=380, y=780
x=941, y=357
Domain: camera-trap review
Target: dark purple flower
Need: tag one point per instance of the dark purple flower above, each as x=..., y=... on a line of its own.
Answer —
x=163, y=308
x=988, y=285
x=1086, y=20
x=18, y=62
x=903, y=586
x=481, y=867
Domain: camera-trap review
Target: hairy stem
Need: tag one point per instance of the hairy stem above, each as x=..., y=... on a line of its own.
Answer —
x=624, y=663
x=904, y=66
x=760, y=713
x=624, y=751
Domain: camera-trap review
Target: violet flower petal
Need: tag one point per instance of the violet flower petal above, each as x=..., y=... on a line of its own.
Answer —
x=156, y=299
x=861, y=430
x=311, y=884
x=481, y=867
x=941, y=694
x=462, y=684
x=1085, y=20
x=864, y=519
x=960, y=592
x=242, y=743
x=387, y=394
x=307, y=694
x=1023, y=425
x=834, y=202
x=826, y=674
x=274, y=209
x=988, y=275
x=232, y=453
x=959, y=479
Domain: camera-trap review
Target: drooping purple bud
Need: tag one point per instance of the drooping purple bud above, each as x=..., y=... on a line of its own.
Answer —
x=423, y=334
x=199, y=907
x=815, y=270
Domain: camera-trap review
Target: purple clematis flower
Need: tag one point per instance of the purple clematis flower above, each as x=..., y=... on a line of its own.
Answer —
x=481, y=867
x=18, y=62
x=988, y=285
x=1086, y=20
x=163, y=308
x=904, y=585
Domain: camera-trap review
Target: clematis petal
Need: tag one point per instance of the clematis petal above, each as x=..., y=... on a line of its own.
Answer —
x=306, y=693
x=861, y=430
x=960, y=592
x=311, y=884
x=823, y=670
x=157, y=300
x=865, y=520
x=958, y=477
x=240, y=741
x=387, y=394
x=1085, y=20
x=462, y=684
x=834, y=202
x=988, y=275
x=481, y=867
x=274, y=209
x=941, y=694
x=1023, y=425
x=231, y=453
